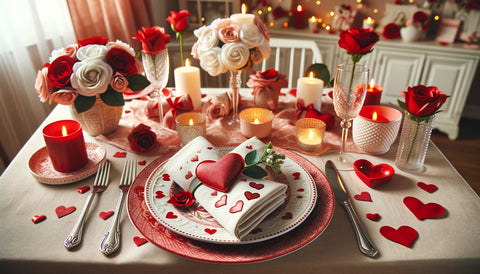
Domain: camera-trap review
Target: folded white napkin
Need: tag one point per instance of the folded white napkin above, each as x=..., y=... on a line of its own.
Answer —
x=246, y=203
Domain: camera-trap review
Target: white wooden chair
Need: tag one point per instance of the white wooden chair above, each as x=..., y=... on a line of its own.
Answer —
x=292, y=57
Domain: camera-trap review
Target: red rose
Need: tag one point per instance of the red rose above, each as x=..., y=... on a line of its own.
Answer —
x=142, y=138
x=358, y=40
x=391, y=31
x=153, y=39
x=178, y=20
x=99, y=40
x=182, y=198
x=60, y=70
x=121, y=61
x=423, y=101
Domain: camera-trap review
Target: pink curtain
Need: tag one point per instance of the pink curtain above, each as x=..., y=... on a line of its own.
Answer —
x=115, y=19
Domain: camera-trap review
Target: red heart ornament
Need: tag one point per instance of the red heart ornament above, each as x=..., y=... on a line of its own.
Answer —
x=62, y=210
x=373, y=216
x=364, y=196
x=373, y=175
x=106, y=214
x=427, y=187
x=423, y=211
x=210, y=231
x=139, y=241
x=221, y=174
x=404, y=235
x=38, y=218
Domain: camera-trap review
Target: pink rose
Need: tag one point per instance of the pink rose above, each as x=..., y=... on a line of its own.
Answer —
x=119, y=83
x=64, y=96
x=229, y=34
x=218, y=106
x=42, y=86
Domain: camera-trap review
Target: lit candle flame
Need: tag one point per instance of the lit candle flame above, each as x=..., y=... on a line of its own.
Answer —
x=299, y=8
x=311, y=75
x=371, y=85
x=64, y=131
x=374, y=116
x=190, y=122
x=256, y=122
x=187, y=62
x=244, y=8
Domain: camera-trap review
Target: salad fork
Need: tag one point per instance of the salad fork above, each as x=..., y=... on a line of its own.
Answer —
x=99, y=185
x=111, y=240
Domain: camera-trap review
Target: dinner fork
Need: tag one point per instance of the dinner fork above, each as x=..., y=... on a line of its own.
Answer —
x=111, y=240
x=99, y=185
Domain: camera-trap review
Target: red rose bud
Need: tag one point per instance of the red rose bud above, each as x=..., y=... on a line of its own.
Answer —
x=423, y=101
x=178, y=20
x=182, y=199
x=60, y=70
x=391, y=31
x=142, y=138
x=358, y=40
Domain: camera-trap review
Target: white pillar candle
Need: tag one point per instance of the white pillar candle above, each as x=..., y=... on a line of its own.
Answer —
x=242, y=18
x=187, y=82
x=310, y=90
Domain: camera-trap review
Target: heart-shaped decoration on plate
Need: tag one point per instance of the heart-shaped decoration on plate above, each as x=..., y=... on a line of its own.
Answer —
x=373, y=175
x=221, y=174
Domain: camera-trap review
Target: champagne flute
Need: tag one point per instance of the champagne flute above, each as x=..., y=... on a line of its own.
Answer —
x=349, y=91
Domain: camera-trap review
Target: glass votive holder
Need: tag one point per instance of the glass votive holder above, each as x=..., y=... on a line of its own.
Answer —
x=310, y=132
x=376, y=128
x=190, y=125
x=256, y=122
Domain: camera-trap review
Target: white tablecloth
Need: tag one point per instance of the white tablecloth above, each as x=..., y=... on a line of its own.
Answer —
x=450, y=244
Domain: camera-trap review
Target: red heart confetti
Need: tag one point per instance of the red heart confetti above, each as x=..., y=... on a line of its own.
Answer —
x=83, y=189
x=171, y=215
x=250, y=196
x=63, y=211
x=364, y=196
x=139, y=241
x=38, y=218
x=237, y=207
x=373, y=175
x=226, y=170
x=120, y=154
x=404, y=235
x=210, y=231
x=427, y=187
x=159, y=194
x=373, y=216
x=287, y=216
x=221, y=202
x=142, y=163
x=165, y=177
x=106, y=214
x=423, y=211
x=255, y=185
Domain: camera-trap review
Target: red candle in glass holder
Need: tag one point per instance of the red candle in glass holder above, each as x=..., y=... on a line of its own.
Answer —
x=65, y=145
x=373, y=95
x=299, y=17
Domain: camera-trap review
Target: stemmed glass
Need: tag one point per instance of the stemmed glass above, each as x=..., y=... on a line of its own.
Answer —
x=349, y=91
x=156, y=66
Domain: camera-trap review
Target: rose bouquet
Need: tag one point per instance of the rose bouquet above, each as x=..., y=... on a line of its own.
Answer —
x=93, y=67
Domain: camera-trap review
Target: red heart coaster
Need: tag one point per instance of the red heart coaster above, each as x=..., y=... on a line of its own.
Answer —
x=139, y=241
x=423, y=211
x=404, y=235
x=427, y=187
x=373, y=175
x=106, y=214
x=62, y=210
x=220, y=175
x=38, y=218
x=373, y=216
x=364, y=196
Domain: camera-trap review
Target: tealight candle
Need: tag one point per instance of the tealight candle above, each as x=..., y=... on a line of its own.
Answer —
x=310, y=90
x=187, y=82
x=310, y=132
x=299, y=17
x=65, y=145
x=312, y=23
x=256, y=122
x=189, y=126
x=376, y=128
x=373, y=95
x=242, y=18
x=368, y=23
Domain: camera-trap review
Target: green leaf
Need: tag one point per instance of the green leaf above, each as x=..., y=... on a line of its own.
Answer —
x=320, y=71
x=255, y=172
x=251, y=158
x=83, y=103
x=112, y=97
x=137, y=82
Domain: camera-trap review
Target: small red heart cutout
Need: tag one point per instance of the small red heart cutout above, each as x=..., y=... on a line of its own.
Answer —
x=255, y=185
x=250, y=196
x=139, y=241
x=38, y=218
x=373, y=175
x=119, y=154
x=373, y=216
x=404, y=235
x=106, y=214
x=423, y=211
x=237, y=207
x=83, y=189
x=287, y=216
x=63, y=211
x=221, y=174
x=427, y=187
x=171, y=215
x=364, y=196
x=210, y=231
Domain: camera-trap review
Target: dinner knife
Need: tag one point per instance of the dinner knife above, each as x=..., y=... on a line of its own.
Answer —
x=340, y=192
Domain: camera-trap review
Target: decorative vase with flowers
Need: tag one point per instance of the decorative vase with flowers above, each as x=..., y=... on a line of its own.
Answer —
x=91, y=76
x=232, y=44
x=416, y=27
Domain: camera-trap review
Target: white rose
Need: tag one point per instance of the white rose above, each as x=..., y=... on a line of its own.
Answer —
x=250, y=36
x=207, y=39
x=92, y=51
x=211, y=62
x=122, y=45
x=235, y=55
x=91, y=77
